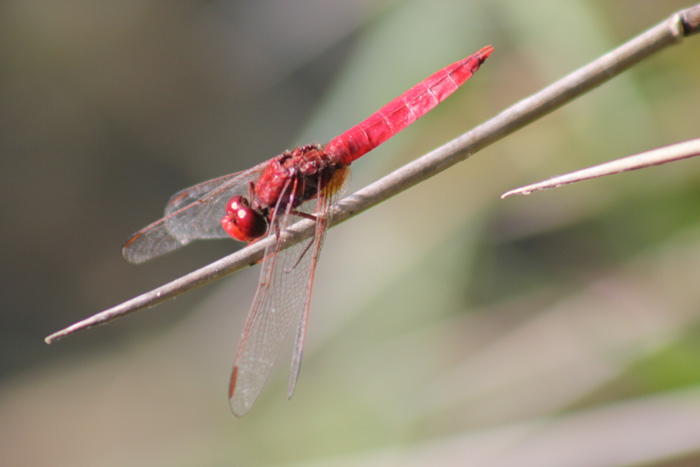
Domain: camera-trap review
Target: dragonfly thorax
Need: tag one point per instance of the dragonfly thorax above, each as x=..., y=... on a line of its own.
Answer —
x=294, y=176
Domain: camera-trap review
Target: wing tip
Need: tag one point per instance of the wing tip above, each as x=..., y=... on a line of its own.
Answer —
x=232, y=386
x=235, y=404
x=128, y=253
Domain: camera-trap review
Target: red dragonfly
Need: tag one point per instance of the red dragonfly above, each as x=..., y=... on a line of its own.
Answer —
x=265, y=200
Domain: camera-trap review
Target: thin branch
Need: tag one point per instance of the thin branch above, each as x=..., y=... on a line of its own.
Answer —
x=669, y=32
x=658, y=156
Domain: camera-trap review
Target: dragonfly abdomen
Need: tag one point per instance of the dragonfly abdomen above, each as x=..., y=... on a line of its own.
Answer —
x=404, y=110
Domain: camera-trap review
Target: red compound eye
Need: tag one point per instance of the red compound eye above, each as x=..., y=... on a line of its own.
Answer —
x=243, y=222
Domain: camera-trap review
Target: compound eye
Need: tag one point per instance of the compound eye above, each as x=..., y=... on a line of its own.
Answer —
x=242, y=222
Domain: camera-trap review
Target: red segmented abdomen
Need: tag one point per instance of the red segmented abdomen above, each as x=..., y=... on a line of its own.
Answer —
x=404, y=110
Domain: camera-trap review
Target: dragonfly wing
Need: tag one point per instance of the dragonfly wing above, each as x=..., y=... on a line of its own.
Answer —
x=206, y=205
x=208, y=215
x=282, y=299
x=191, y=214
x=327, y=198
x=282, y=293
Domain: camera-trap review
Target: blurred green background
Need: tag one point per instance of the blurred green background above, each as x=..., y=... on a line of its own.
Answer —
x=448, y=327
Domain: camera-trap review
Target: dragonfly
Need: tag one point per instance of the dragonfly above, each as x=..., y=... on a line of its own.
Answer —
x=303, y=183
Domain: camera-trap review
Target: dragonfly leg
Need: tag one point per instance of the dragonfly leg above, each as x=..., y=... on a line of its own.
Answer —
x=305, y=215
x=296, y=263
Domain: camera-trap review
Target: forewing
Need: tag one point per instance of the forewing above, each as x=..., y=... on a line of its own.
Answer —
x=277, y=300
x=327, y=198
x=191, y=214
x=281, y=300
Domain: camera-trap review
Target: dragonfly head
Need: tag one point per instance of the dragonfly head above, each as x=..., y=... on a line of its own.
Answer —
x=242, y=222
